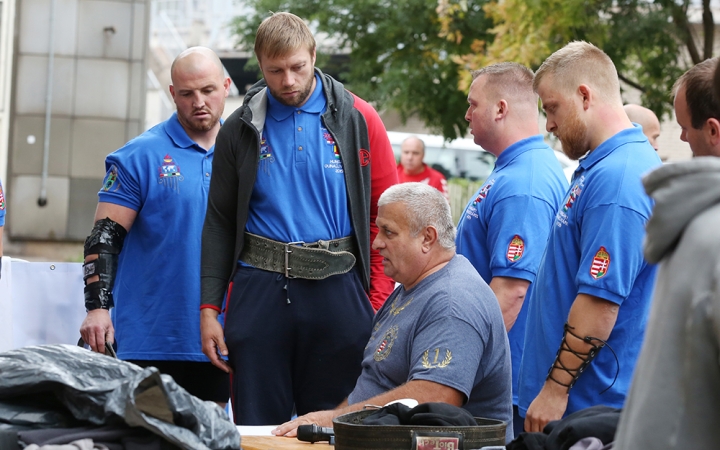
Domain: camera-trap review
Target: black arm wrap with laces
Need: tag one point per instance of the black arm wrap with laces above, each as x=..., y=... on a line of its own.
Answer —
x=585, y=358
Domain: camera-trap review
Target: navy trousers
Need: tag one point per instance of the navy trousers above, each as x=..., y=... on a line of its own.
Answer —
x=293, y=343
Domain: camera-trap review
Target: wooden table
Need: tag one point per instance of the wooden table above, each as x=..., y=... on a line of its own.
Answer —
x=280, y=443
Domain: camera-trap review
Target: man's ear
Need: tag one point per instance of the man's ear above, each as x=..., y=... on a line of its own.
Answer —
x=430, y=237
x=712, y=130
x=501, y=110
x=586, y=94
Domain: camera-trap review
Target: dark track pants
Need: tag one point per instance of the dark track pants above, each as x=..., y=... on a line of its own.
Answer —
x=306, y=353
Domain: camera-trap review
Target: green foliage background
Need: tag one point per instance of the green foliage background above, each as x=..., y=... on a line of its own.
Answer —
x=415, y=56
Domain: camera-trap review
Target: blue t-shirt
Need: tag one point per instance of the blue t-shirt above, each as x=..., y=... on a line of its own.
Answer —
x=2, y=205
x=505, y=228
x=299, y=193
x=164, y=176
x=447, y=329
x=595, y=248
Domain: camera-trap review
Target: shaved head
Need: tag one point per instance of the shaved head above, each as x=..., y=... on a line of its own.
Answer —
x=199, y=88
x=647, y=120
x=195, y=59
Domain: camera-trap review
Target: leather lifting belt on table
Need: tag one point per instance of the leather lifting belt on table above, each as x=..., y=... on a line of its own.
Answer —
x=311, y=261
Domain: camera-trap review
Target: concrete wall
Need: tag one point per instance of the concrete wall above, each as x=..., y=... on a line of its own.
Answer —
x=98, y=103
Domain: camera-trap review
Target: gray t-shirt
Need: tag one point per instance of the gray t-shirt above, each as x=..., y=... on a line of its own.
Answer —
x=447, y=329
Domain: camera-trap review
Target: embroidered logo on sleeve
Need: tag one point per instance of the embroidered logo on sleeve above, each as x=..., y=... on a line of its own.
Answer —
x=435, y=363
x=111, y=178
x=383, y=350
x=2, y=199
x=600, y=264
x=169, y=174
x=516, y=248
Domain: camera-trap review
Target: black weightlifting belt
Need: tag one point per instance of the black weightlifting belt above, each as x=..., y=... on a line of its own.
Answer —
x=311, y=261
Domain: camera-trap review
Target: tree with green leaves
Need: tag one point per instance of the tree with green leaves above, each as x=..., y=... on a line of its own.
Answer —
x=399, y=59
x=415, y=56
x=651, y=42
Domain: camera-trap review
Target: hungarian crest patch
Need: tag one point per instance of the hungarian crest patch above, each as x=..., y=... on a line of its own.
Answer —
x=600, y=264
x=383, y=349
x=2, y=198
x=516, y=248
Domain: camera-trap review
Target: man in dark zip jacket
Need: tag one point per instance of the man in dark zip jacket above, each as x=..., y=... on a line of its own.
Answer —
x=297, y=174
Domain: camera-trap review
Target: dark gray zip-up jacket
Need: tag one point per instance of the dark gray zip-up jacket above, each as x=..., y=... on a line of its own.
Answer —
x=369, y=167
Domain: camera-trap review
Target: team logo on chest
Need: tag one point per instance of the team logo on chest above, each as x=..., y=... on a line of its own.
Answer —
x=2, y=199
x=266, y=155
x=600, y=264
x=334, y=163
x=383, y=349
x=169, y=174
x=516, y=248
x=330, y=140
x=483, y=193
x=111, y=178
x=572, y=196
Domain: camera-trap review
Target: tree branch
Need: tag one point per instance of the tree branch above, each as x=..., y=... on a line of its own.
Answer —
x=708, y=29
x=628, y=81
x=679, y=16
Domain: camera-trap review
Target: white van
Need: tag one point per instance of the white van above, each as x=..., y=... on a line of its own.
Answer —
x=462, y=158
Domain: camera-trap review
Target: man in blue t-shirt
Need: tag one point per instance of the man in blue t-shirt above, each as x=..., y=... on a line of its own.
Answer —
x=505, y=227
x=440, y=336
x=593, y=287
x=143, y=254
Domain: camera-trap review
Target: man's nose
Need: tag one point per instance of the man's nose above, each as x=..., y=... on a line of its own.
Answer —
x=377, y=243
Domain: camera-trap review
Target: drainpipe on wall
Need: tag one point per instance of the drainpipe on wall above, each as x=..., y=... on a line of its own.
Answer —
x=42, y=200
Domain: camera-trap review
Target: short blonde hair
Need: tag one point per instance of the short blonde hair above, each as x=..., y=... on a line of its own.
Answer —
x=508, y=79
x=281, y=34
x=579, y=63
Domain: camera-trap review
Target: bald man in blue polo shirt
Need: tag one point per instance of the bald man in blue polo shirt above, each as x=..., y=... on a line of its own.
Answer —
x=593, y=287
x=143, y=254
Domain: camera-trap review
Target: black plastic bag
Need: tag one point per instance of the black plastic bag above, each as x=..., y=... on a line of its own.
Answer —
x=62, y=385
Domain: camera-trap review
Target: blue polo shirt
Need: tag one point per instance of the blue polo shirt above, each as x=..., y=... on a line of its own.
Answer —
x=2, y=206
x=299, y=193
x=164, y=176
x=595, y=248
x=505, y=227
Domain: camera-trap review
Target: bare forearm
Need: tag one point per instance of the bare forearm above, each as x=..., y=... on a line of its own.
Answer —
x=422, y=391
x=510, y=293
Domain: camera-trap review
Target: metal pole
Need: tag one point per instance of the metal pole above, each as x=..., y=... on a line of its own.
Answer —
x=42, y=200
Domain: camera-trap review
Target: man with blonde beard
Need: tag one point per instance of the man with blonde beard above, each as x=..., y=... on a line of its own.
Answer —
x=593, y=287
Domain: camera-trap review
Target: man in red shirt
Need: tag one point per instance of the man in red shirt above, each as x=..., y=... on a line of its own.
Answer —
x=412, y=168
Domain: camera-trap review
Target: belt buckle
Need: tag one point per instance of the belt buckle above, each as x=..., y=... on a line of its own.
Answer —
x=287, y=255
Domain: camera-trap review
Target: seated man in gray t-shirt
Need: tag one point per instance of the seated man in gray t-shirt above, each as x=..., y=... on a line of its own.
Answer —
x=440, y=336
